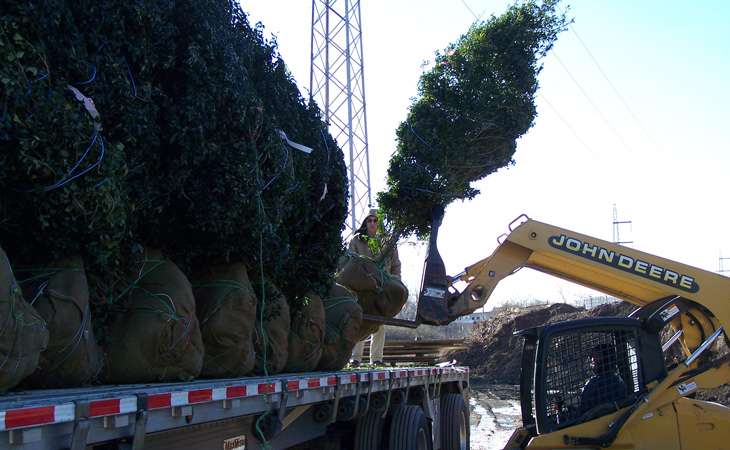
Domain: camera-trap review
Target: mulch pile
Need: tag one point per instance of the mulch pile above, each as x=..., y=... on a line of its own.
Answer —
x=493, y=352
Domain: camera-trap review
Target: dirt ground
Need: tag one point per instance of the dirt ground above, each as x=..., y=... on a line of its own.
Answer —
x=492, y=354
x=494, y=414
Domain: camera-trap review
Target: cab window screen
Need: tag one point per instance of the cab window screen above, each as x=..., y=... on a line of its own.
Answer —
x=586, y=369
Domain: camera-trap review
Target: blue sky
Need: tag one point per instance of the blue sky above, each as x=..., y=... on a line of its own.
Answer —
x=632, y=111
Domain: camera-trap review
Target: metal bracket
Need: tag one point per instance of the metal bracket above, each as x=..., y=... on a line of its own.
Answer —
x=390, y=390
x=357, y=397
x=359, y=388
x=81, y=426
x=282, y=401
x=338, y=392
x=440, y=382
x=430, y=390
x=435, y=390
x=140, y=423
x=408, y=387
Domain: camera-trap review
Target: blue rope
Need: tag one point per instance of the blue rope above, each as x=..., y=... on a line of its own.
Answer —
x=283, y=166
x=93, y=75
x=62, y=182
x=30, y=83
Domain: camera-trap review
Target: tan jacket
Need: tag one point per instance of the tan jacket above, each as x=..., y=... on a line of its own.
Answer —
x=358, y=244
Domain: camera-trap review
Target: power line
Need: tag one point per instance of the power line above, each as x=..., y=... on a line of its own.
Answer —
x=589, y=100
x=574, y=133
x=599, y=111
x=636, y=119
x=477, y=18
x=467, y=7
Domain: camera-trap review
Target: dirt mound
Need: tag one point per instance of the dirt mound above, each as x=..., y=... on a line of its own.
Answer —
x=493, y=351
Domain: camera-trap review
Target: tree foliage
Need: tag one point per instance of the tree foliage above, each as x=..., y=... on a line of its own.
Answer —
x=472, y=107
x=187, y=151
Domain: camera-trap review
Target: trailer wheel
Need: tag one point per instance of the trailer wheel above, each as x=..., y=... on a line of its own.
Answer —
x=362, y=407
x=378, y=401
x=409, y=429
x=346, y=409
x=369, y=431
x=265, y=427
x=454, y=423
x=322, y=413
x=397, y=398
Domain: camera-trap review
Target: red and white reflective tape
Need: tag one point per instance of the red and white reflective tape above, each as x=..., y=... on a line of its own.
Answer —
x=400, y=373
x=110, y=407
x=184, y=398
x=380, y=375
x=310, y=383
x=66, y=412
x=26, y=417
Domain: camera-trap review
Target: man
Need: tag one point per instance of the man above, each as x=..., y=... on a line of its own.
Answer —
x=606, y=385
x=365, y=243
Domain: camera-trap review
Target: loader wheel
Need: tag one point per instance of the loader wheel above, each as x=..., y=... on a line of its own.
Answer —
x=409, y=429
x=369, y=431
x=454, y=423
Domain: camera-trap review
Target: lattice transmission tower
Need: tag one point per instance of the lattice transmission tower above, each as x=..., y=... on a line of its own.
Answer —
x=337, y=84
x=616, y=223
x=721, y=270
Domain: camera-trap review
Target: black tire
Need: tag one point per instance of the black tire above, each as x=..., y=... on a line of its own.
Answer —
x=369, y=431
x=266, y=427
x=454, y=423
x=409, y=429
x=346, y=409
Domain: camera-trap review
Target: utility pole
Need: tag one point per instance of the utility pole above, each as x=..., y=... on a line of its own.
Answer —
x=337, y=84
x=616, y=223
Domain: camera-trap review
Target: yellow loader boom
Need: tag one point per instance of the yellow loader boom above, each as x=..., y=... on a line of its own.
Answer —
x=625, y=273
x=603, y=382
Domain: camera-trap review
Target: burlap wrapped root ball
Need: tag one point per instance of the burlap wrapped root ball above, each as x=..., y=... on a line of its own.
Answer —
x=226, y=309
x=378, y=292
x=154, y=334
x=24, y=334
x=343, y=317
x=72, y=358
x=306, y=334
x=271, y=330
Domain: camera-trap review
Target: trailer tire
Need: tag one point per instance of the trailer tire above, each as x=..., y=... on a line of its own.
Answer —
x=454, y=423
x=346, y=409
x=362, y=407
x=397, y=398
x=378, y=401
x=322, y=413
x=266, y=427
x=409, y=429
x=369, y=431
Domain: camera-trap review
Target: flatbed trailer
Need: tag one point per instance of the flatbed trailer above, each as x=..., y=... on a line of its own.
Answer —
x=317, y=410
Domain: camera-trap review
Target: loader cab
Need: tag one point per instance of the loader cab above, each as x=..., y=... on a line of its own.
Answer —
x=575, y=371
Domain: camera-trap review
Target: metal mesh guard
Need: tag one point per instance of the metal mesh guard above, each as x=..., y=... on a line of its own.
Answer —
x=587, y=369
